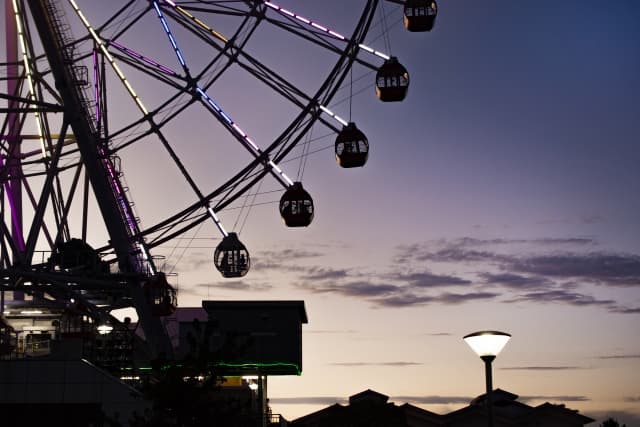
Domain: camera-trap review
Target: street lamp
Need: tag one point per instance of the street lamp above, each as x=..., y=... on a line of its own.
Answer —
x=487, y=345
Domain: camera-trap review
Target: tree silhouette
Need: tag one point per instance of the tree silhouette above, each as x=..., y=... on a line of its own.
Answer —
x=611, y=422
x=186, y=392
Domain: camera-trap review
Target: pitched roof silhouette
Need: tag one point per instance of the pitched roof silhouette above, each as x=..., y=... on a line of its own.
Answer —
x=371, y=408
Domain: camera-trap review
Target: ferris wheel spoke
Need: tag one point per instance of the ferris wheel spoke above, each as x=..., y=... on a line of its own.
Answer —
x=239, y=134
x=184, y=220
x=252, y=65
x=321, y=29
x=392, y=79
x=145, y=64
x=172, y=40
x=261, y=72
x=102, y=45
x=224, y=7
x=283, y=86
x=224, y=119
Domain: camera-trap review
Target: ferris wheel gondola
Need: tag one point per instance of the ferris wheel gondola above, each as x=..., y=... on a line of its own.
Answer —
x=231, y=257
x=392, y=81
x=420, y=15
x=351, y=147
x=296, y=206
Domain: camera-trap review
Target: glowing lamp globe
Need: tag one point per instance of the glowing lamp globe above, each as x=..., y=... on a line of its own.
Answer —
x=487, y=343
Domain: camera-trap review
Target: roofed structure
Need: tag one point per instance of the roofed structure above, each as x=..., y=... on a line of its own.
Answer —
x=370, y=408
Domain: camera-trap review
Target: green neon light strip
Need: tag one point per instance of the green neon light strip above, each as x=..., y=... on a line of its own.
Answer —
x=261, y=366
x=256, y=365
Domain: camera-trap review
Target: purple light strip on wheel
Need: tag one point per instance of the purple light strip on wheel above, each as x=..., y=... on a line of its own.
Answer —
x=12, y=207
x=135, y=54
x=322, y=28
x=119, y=193
x=96, y=86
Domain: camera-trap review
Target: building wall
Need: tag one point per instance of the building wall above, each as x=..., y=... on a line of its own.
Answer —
x=66, y=383
x=267, y=333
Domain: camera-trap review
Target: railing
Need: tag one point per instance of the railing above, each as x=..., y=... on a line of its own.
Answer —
x=275, y=420
x=77, y=74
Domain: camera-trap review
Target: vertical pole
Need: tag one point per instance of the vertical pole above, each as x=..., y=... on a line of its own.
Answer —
x=489, y=378
x=261, y=420
x=13, y=132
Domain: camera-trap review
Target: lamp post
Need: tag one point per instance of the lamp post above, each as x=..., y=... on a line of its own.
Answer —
x=487, y=345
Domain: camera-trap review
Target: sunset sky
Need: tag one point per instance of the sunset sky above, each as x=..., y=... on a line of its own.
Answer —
x=502, y=194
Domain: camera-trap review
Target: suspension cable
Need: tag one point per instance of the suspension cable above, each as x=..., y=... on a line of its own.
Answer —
x=385, y=29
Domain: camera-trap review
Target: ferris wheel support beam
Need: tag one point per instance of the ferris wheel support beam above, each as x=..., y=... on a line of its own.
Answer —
x=14, y=185
x=13, y=162
x=44, y=198
x=35, y=106
x=93, y=157
x=87, y=140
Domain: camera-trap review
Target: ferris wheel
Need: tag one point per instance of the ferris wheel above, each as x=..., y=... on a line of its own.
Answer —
x=188, y=105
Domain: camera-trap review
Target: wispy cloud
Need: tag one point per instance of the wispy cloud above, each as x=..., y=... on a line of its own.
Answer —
x=595, y=266
x=408, y=299
x=468, y=249
x=625, y=310
x=316, y=273
x=357, y=364
x=563, y=297
x=308, y=400
x=505, y=270
x=515, y=281
x=352, y=289
x=542, y=368
x=433, y=400
x=559, y=398
x=454, y=254
x=621, y=356
x=235, y=285
x=605, y=268
x=287, y=255
x=427, y=279
x=403, y=300
x=331, y=400
x=450, y=298
x=329, y=332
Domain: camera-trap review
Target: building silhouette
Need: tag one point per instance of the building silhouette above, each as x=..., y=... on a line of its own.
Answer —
x=372, y=409
x=49, y=370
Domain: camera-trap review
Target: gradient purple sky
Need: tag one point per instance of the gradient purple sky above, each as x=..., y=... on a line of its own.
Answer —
x=502, y=194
